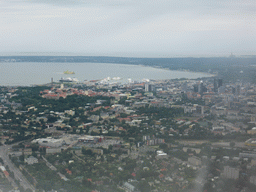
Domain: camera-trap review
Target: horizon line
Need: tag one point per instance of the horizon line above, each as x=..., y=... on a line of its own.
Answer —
x=123, y=55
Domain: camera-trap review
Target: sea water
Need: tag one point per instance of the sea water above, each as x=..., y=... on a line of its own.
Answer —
x=31, y=73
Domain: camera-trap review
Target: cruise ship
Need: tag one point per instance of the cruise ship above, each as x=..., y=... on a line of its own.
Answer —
x=68, y=80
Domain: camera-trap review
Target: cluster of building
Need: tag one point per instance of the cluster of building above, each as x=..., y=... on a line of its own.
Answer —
x=153, y=140
x=210, y=107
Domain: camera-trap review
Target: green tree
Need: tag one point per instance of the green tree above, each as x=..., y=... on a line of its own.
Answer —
x=232, y=144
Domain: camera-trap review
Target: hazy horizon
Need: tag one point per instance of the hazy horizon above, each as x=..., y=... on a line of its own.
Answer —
x=128, y=28
x=146, y=55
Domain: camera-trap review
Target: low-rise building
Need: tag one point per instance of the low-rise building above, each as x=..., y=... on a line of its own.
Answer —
x=196, y=161
x=31, y=160
x=231, y=173
x=129, y=187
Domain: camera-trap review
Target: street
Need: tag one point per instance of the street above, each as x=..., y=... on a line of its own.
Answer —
x=17, y=173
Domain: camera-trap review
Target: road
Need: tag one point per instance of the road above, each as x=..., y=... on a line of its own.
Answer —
x=49, y=164
x=54, y=169
x=17, y=173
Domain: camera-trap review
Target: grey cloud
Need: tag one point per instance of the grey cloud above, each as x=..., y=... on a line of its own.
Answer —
x=127, y=25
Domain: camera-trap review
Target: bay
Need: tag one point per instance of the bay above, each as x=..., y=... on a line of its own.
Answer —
x=31, y=73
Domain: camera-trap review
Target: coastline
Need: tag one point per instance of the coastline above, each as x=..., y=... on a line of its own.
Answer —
x=160, y=67
x=40, y=73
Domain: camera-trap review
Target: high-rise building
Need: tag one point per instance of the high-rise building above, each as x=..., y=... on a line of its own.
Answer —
x=201, y=88
x=184, y=87
x=215, y=85
x=233, y=90
x=149, y=87
x=220, y=82
x=237, y=91
x=196, y=88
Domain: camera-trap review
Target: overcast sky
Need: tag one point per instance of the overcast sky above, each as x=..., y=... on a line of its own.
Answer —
x=155, y=28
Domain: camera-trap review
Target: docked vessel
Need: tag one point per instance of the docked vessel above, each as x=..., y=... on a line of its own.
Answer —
x=69, y=72
x=68, y=80
x=116, y=78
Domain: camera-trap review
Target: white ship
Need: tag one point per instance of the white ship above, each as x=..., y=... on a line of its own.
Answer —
x=68, y=80
x=145, y=80
x=116, y=78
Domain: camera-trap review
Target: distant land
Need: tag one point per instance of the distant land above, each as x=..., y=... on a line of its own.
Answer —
x=229, y=68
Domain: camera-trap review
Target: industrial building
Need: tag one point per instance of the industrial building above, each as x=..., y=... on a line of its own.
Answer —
x=49, y=142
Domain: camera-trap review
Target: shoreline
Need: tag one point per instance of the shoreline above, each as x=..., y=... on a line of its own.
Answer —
x=159, y=67
x=96, y=71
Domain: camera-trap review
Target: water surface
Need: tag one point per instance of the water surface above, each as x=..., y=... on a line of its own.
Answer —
x=29, y=73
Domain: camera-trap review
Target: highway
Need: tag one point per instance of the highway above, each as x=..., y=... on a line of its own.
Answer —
x=17, y=173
